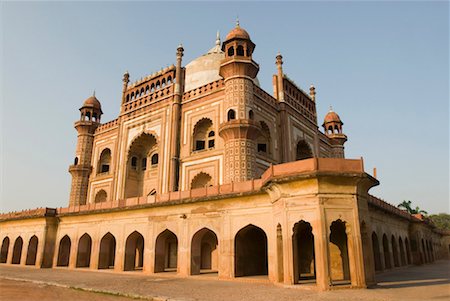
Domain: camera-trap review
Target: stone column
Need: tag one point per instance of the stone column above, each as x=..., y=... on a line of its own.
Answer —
x=321, y=251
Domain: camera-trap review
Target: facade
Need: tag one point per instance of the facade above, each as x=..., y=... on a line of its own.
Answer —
x=203, y=171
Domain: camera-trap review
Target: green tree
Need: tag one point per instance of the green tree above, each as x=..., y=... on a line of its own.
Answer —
x=407, y=205
x=441, y=220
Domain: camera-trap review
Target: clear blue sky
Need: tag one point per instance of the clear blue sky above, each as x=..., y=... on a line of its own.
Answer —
x=384, y=67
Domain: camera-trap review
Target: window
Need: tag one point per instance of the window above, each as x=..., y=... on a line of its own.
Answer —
x=231, y=115
x=211, y=143
x=155, y=158
x=231, y=51
x=133, y=162
x=251, y=115
x=105, y=161
x=262, y=148
x=199, y=144
x=203, y=135
x=240, y=50
x=75, y=162
x=144, y=164
x=104, y=168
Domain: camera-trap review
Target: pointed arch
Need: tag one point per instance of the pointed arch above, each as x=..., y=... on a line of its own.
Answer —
x=4, y=250
x=104, y=162
x=201, y=135
x=338, y=250
x=64, y=252
x=107, y=254
x=303, y=252
x=303, y=150
x=166, y=252
x=250, y=252
x=134, y=252
x=32, y=250
x=204, y=252
x=17, y=250
x=201, y=180
x=84, y=251
x=101, y=196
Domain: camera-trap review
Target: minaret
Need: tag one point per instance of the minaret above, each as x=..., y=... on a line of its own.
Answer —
x=239, y=130
x=176, y=124
x=125, y=80
x=333, y=129
x=284, y=130
x=91, y=112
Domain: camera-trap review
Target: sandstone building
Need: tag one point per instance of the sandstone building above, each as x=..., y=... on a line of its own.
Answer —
x=205, y=172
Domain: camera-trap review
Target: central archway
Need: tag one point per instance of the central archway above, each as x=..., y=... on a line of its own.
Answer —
x=250, y=252
x=166, y=252
x=204, y=252
x=303, y=252
x=134, y=252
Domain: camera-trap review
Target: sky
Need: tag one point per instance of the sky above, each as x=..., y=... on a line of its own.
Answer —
x=383, y=66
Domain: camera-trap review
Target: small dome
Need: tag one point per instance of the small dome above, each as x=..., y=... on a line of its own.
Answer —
x=332, y=117
x=238, y=32
x=92, y=102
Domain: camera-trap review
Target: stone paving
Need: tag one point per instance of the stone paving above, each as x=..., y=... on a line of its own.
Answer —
x=427, y=282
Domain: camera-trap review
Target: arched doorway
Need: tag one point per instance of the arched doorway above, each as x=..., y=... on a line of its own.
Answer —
x=338, y=250
x=107, y=252
x=402, y=251
x=303, y=252
x=204, y=252
x=376, y=252
x=166, y=252
x=17, y=250
x=250, y=249
x=84, y=251
x=32, y=251
x=387, y=258
x=64, y=252
x=395, y=251
x=134, y=252
x=4, y=250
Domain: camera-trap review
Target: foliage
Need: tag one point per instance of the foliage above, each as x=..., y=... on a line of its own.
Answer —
x=441, y=220
x=407, y=205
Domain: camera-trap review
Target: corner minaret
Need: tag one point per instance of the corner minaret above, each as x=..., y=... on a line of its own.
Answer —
x=91, y=112
x=239, y=130
x=332, y=126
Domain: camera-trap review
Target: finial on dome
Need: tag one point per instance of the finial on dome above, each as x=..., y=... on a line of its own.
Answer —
x=93, y=94
x=331, y=109
x=218, y=38
x=237, y=21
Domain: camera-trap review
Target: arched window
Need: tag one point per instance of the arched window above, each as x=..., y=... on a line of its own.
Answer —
x=75, y=161
x=251, y=115
x=202, y=130
x=240, y=50
x=152, y=88
x=134, y=163
x=100, y=197
x=169, y=80
x=104, y=161
x=231, y=51
x=303, y=150
x=155, y=159
x=211, y=142
x=163, y=82
x=157, y=85
x=147, y=89
x=201, y=180
x=263, y=140
x=144, y=163
x=231, y=115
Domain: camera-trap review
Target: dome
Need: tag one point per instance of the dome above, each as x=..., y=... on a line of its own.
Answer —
x=92, y=102
x=205, y=69
x=332, y=117
x=238, y=32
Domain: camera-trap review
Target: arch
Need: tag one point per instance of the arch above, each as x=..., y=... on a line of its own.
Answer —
x=136, y=178
x=201, y=180
x=231, y=115
x=101, y=196
x=251, y=115
x=263, y=140
x=201, y=133
x=387, y=257
x=250, y=252
x=163, y=82
x=134, y=252
x=64, y=252
x=152, y=88
x=204, y=252
x=376, y=252
x=158, y=85
x=303, y=150
x=75, y=161
x=4, y=250
x=107, y=252
x=395, y=251
x=147, y=89
x=402, y=251
x=84, y=251
x=240, y=50
x=32, y=250
x=408, y=251
x=166, y=252
x=230, y=51
x=303, y=252
x=155, y=159
x=104, y=161
x=17, y=250
x=169, y=80
x=338, y=251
